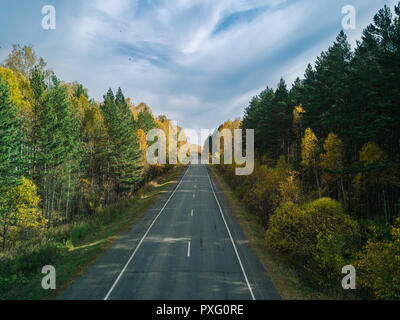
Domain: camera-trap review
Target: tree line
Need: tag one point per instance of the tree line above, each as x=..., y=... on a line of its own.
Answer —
x=341, y=121
x=332, y=138
x=62, y=154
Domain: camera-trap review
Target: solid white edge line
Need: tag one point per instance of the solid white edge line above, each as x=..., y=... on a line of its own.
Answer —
x=141, y=241
x=230, y=235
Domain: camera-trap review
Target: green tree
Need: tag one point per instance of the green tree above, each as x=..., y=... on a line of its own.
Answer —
x=59, y=143
x=38, y=87
x=327, y=98
x=12, y=163
x=123, y=153
x=146, y=121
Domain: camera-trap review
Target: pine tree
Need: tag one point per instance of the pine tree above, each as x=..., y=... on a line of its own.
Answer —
x=327, y=88
x=257, y=118
x=58, y=144
x=38, y=87
x=146, y=121
x=283, y=119
x=276, y=119
x=12, y=163
x=128, y=149
x=124, y=154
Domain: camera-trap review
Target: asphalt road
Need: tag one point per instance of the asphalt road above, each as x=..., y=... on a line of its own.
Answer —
x=188, y=246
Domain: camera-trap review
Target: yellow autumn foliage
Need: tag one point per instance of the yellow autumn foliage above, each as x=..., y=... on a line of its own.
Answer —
x=20, y=213
x=317, y=237
x=268, y=187
x=19, y=89
x=309, y=148
x=298, y=112
x=378, y=266
x=332, y=159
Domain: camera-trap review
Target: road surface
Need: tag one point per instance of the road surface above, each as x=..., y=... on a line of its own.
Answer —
x=188, y=246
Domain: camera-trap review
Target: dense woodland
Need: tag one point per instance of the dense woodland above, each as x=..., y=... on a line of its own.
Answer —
x=64, y=156
x=326, y=184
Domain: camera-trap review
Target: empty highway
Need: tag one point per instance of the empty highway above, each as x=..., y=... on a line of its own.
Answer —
x=188, y=246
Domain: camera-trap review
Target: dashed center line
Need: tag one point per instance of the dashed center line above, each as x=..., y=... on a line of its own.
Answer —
x=188, y=249
x=191, y=213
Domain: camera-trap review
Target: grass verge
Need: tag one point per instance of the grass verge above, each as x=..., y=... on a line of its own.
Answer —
x=286, y=279
x=73, y=248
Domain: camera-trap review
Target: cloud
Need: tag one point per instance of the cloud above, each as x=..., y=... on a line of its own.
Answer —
x=115, y=8
x=197, y=61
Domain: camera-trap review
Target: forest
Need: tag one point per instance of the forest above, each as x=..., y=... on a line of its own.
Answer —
x=325, y=187
x=64, y=159
x=326, y=184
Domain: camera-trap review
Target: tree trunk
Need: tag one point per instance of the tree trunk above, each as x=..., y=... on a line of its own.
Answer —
x=4, y=234
x=69, y=185
x=316, y=178
x=385, y=206
x=343, y=192
x=51, y=203
x=52, y=197
x=34, y=167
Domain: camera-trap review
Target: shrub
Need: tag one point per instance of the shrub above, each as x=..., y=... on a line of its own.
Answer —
x=267, y=188
x=262, y=196
x=317, y=237
x=21, y=263
x=81, y=230
x=378, y=265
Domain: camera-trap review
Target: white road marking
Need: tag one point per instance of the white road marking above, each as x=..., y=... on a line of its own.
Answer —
x=233, y=243
x=188, y=249
x=144, y=236
x=194, y=196
x=191, y=213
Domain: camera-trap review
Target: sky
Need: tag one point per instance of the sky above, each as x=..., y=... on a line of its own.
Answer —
x=197, y=61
